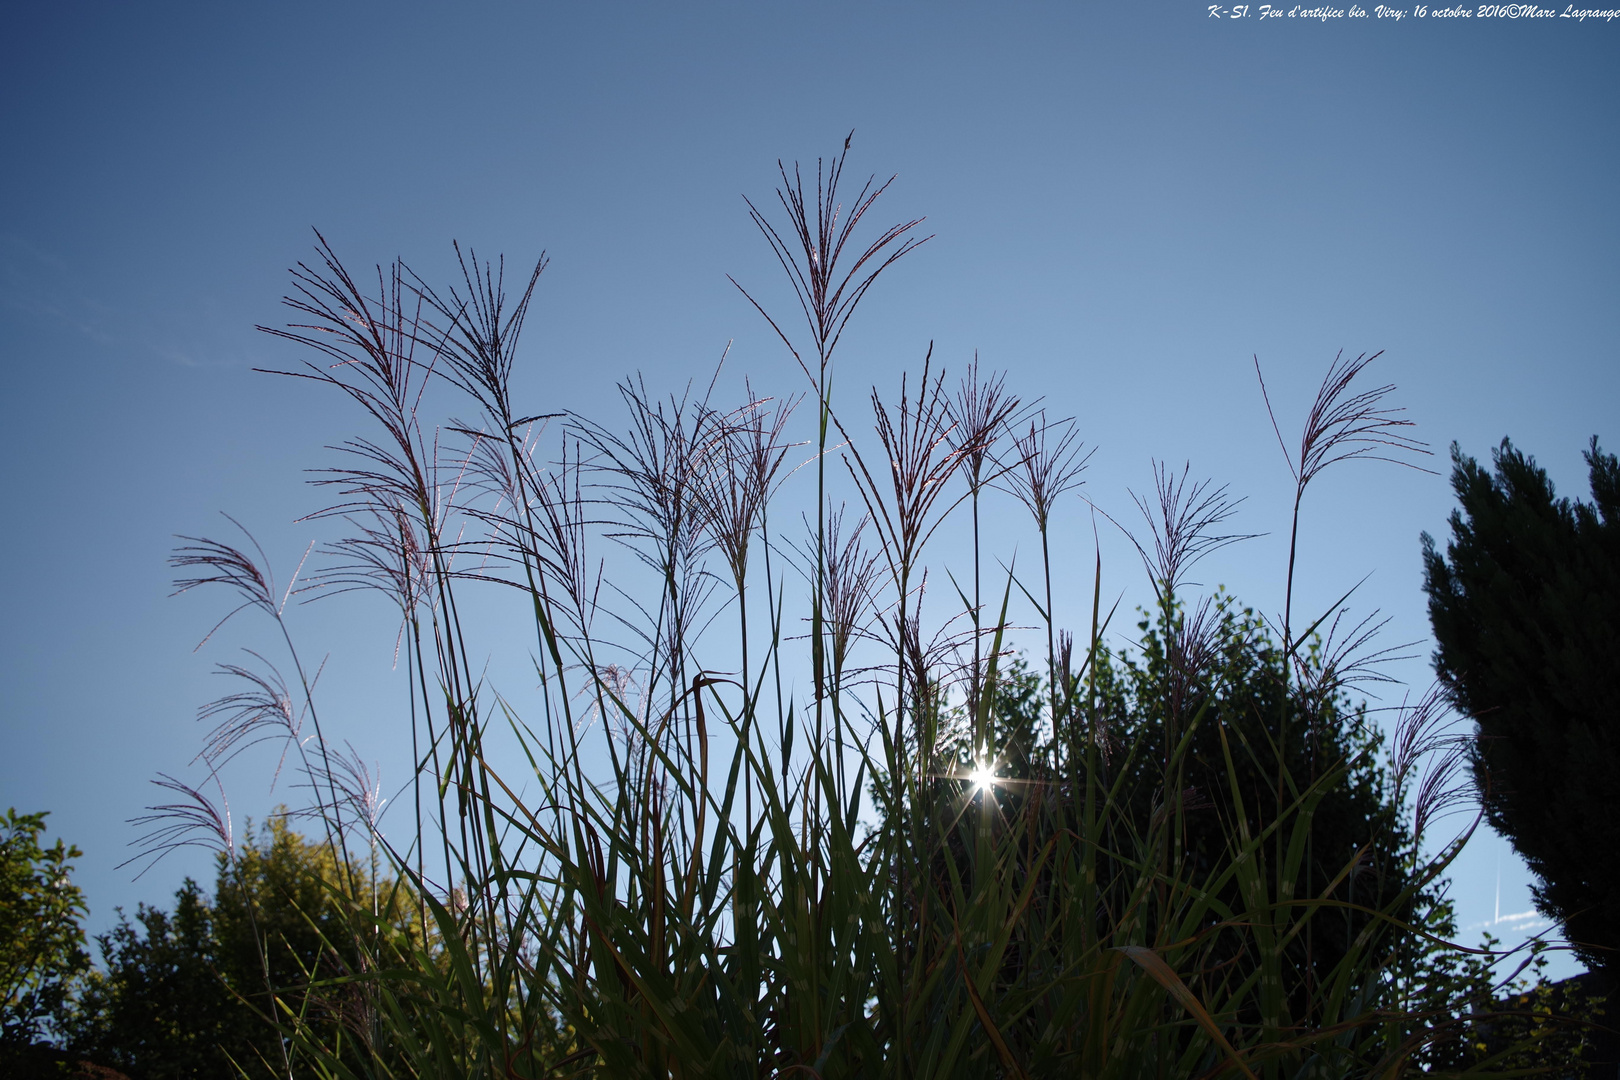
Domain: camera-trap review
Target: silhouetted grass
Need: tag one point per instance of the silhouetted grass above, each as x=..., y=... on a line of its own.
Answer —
x=775, y=857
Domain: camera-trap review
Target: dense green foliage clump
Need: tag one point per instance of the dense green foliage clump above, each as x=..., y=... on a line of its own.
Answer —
x=162, y=1007
x=202, y=990
x=1252, y=742
x=1525, y=605
x=42, y=948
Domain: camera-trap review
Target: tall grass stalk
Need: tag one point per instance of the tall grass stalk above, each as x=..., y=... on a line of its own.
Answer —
x=653, y=867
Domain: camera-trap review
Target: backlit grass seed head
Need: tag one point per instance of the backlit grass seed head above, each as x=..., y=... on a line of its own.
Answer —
x=476, y=336
x=559, y=536
x=915, y=437
x=1183, y=519
x=357, y=783
x=194, y=820
x=1346, y=656
x=372, y=342
x=212, y=562
x=826, y=285
x=1429, y=758
x=263, y=711
x=1341, y=425
x=849, y=584
x=981, y=413
x=746, y=449
x=1050, y=458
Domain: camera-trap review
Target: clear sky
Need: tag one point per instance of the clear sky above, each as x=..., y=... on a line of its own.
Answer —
x=1130, y=200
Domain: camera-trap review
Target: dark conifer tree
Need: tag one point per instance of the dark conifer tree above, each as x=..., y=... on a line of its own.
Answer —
x=1525, y=605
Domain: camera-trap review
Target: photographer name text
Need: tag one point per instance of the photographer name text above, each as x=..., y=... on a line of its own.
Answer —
x=1260, y=12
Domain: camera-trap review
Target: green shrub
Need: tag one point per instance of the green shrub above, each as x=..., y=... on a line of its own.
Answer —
x=42, y=950
x=196, y=992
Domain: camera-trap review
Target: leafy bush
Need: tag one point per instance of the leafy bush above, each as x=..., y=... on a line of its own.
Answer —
x=197, y=992
x=1222, y=669
x=41, y=945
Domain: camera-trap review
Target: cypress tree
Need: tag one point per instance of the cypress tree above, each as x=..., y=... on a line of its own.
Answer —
x=1525, y=605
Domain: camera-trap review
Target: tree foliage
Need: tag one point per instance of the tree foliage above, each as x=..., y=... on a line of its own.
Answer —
x=1225, y=687
x=1525, y=605
x=1252, y=743
x=1235, y=697
x=199, y=991
x=160, y=1008
x=42, y=948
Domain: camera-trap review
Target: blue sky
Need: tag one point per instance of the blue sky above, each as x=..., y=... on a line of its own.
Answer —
x=1129, y=201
